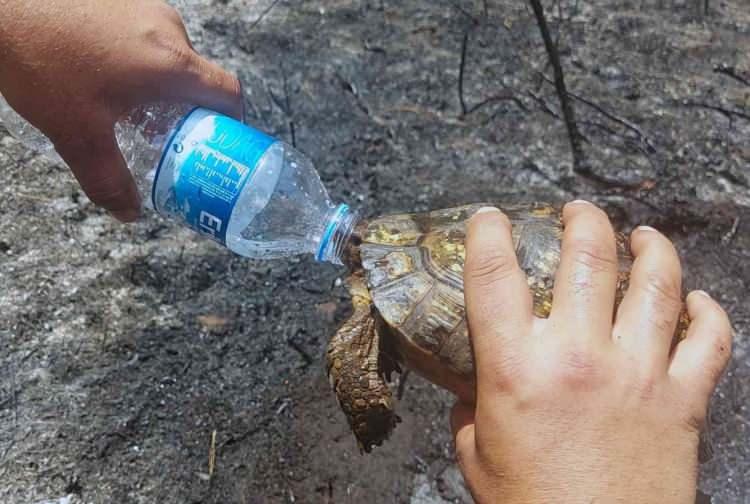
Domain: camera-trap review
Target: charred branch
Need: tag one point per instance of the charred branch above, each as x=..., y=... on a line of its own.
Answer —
x=461, y=69
x=619, y=120
x=579, y=159
x=728, y=113
x=732, y=73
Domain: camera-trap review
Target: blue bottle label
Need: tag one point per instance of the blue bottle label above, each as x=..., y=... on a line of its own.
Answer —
x=204, y=168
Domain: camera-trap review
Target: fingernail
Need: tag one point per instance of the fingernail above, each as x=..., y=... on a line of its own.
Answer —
x=488, y=209
x=702, y=293
x=580, y=202
x=128, y=215
x=645, y=228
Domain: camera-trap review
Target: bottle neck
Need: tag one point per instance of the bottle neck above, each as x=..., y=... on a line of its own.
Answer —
x=336, y=234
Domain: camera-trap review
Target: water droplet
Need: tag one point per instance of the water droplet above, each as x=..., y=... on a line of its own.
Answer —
x=178, y=147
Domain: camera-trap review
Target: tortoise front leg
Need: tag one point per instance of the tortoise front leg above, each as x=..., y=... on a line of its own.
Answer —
x=357, y=378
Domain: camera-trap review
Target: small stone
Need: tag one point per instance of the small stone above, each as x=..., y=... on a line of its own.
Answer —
x=213, y=323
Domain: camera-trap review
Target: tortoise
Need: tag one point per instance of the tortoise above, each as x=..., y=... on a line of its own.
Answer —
x=406, y=284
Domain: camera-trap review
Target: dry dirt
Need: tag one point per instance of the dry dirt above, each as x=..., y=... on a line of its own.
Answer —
x=123, y=348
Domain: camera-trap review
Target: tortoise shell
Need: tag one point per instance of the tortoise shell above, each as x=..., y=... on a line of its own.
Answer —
x=413, y=266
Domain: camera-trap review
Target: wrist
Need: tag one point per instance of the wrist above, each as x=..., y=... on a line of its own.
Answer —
x=605, y=483
x=606, y=473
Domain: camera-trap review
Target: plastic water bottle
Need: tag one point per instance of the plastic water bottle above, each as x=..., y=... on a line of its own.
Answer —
x=248, y=191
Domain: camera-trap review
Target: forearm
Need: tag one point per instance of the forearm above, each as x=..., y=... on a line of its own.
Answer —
x=600, y=486
x=609, y=470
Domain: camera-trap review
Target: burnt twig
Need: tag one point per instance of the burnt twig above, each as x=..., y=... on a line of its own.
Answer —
x=465, y=109
x=548, y=110
x=623, y=122
x=352, y=90
x=579, y=159
x=545, y=106
x=461, y=67
x=729, y=236
x=504, y=96
x=263, y=14
x=466, y=13
x=301, y=351
x=731, y=72
x=728, y=113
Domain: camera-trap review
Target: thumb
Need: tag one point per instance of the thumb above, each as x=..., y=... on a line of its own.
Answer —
x=206, y=84
x=100, y=169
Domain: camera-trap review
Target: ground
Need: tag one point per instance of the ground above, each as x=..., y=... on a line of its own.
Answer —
x=124, y=348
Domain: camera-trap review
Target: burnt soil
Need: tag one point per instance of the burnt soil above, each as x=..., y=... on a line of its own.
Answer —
x=125, y=347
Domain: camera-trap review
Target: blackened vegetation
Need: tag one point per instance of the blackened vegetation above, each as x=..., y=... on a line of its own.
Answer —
x=580, y=164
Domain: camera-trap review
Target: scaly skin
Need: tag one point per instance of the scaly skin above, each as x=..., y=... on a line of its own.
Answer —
x=356, y=374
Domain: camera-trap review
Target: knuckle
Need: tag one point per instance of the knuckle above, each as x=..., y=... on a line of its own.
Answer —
x=646, y=387
x=592, y=255
x=155, y=36
x=171, y=51
x=106, y=190
x=170, y=13
x=578, y=369
x=178, y=57
x=508, y=374
x=664, y=287
x=695, y=421
x=490, y=268
x=662, y=319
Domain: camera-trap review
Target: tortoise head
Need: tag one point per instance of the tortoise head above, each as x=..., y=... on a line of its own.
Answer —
x=351, y=253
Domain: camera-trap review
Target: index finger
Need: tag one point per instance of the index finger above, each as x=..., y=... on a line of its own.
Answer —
x=98, y=165
x=498, y=301
x=203, y=82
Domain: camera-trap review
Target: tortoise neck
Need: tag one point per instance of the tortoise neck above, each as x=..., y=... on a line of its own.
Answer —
x=338, y=235
x=351, y=255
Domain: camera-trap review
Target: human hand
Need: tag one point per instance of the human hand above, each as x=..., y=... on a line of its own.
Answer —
x=576, y=408
x=73, y=68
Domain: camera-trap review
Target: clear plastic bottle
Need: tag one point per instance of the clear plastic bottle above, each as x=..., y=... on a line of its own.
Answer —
x=254, y=194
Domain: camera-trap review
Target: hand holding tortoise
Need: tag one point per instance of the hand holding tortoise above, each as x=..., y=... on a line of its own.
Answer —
x=583, y=406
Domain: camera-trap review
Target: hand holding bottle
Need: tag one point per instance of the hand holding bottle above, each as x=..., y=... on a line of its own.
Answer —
x=73, y=68
x=137, y=114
